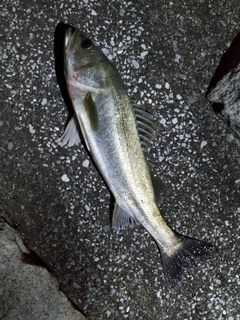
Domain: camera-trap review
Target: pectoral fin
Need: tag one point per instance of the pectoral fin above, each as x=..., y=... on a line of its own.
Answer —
x=91, y=111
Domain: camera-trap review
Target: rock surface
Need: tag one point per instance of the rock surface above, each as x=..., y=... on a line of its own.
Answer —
x=27, y=291
x=224, y=88
x=166, y=52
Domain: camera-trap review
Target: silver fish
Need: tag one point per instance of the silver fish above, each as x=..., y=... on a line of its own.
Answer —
x=114, y=131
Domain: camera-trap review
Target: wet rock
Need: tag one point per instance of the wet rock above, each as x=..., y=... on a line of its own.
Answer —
x=224, y=87
x=28, y=291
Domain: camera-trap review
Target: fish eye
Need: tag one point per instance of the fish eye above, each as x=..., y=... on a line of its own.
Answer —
x=86, y=44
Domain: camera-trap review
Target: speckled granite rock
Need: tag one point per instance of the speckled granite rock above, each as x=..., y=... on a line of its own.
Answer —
x=28, y=292
x=224, y=88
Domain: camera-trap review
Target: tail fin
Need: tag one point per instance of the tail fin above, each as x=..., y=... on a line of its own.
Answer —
x=182, y=257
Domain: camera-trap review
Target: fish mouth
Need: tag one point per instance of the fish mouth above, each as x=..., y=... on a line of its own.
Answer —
x=73, y=39
x=68, y=33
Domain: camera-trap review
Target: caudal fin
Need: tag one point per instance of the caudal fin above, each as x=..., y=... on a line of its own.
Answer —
x=184, y=256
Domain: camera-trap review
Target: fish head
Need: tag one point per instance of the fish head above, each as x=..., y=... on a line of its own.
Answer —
x=86, y=67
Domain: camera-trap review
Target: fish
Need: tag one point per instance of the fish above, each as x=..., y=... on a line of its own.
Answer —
x=116, y=133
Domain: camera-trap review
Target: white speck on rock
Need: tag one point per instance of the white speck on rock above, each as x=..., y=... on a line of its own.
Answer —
x=10, y=145
x=31, y=129
x=94, y=13
x=65, y=178
x=121, y=12
x=106, y=228
x=105, y=51
x=44, y=102
x=135, y=64
x=85, y=163
x=167, y=85
x=174, y=120
x=163, y=121
x=87, y=207
x=230, y=137
x=158, y=86
x=177, y=58
x=8, y=86
x=143, y=54
x=203, y=144
x=179, y=97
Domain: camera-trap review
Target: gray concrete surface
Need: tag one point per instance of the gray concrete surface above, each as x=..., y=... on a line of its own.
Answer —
x=28, y=291
x=167, y=52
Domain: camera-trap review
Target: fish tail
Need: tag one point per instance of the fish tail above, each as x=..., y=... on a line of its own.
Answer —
x=183, y=256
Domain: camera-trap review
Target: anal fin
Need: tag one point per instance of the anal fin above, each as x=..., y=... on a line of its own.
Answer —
x=121, y=218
